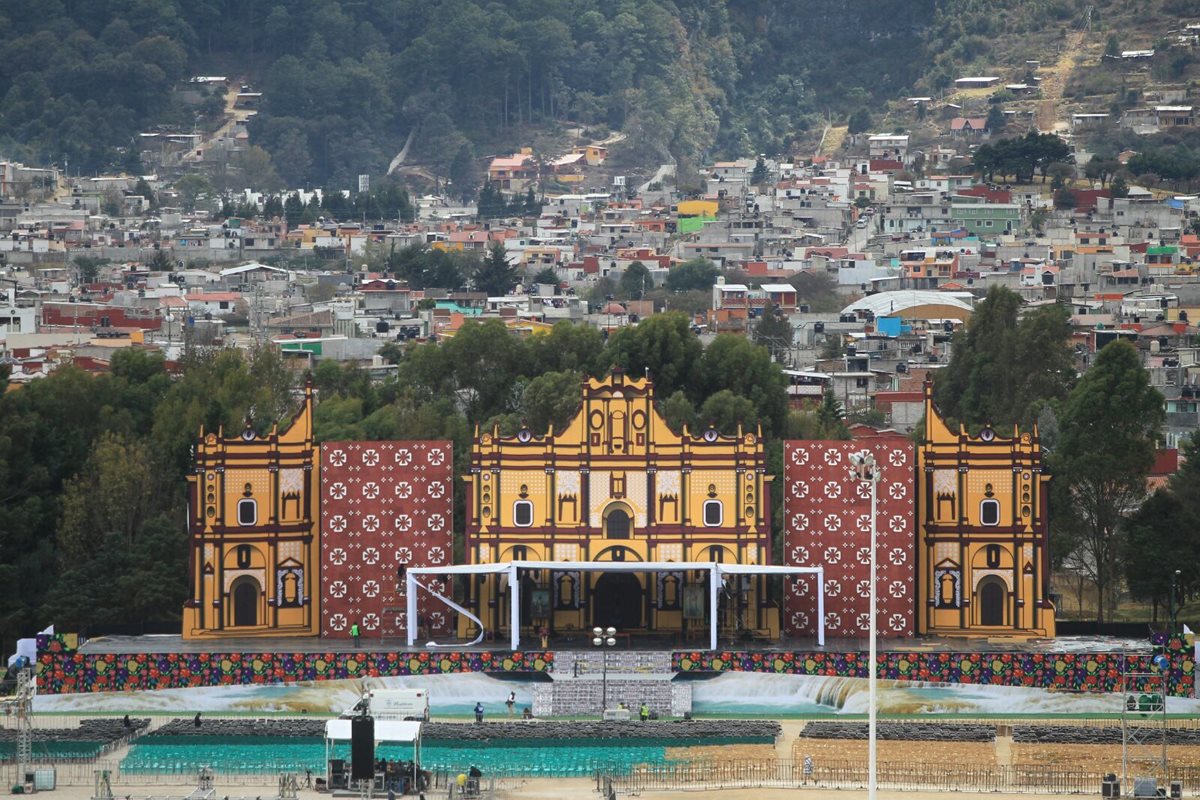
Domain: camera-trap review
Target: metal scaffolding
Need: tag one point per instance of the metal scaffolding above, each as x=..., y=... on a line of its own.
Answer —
x=1143, y=730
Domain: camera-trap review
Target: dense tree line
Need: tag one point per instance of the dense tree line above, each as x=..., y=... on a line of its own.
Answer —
x=1021, y=157
x=346, y=83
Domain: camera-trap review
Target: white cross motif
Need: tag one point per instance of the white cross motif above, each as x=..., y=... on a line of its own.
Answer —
x=897, y=458
x=338, y=622
x=799, y=522
x=799, y=489
x=897, y=622
x=833, y=588
x=799, y=620
x=800, y=587
x=436, y=555
x=337, y=491
x=403, y=456
x=403, y=490
x=897, y=491
x=370, y=457
x=833, y=457
x=337, y=589
x=337, y=524
x=404, y=523
x=370, y=555
x=338, y=458
x=863, y=523
x=833, y=555
x=404, y=554
x=864, y=622
x=437, y=489
x=436, y=457
x=897, y=589
x=370, y=490
x=864, y=588
x=833, y=490
x=371, y=621
x=897, y=556
x=437, y=619
x=799, y=554
x=833, y=523
x=800, y=456
x=436, y=522
x=370, y=588
x=864, y=555
x=370, y=523
x=400, y=619
x=337, y=556
x=832, y=620
x=897, y=524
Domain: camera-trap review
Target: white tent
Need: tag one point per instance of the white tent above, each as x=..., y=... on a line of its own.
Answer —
x=716, y=572
x=395, y=731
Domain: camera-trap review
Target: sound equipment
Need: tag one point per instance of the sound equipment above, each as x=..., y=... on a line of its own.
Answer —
x=362, y=748
x=337, y=766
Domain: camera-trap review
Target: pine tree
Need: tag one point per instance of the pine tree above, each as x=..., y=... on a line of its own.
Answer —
x=495, y=275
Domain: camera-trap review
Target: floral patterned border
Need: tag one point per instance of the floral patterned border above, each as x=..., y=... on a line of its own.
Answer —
x=1070, y=672
x=62, y=670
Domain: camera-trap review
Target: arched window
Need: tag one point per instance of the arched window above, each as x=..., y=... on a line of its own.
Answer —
x=713, y=513
x=247, y=512
x=616, y=524
x=989, y=512
x=523, y=513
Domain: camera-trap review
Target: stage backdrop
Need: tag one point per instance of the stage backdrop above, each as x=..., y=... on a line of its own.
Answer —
x=383, y=505
x=827, y=518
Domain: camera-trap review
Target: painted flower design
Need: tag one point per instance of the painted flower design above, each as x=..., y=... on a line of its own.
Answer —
x=897, y=622
x=403, y=490
x=370, y=621
x=436, y=457
x=337, y=523
x=897, y=458
x=897, y=556
x=437, y=619
x=863, y=555
x=403, y=456
x=833, y=588
x=800, y=587
x=404, y=523
x=436, y=522
x=864, y=622
x=833, y=619
x=370, y=457
x=370, y=490
x=833, y=490
x=370, y=523
x=897, y=524
x=897, y=589
x=370, y=588
x=437, y=555
x=800, y=456
x=437, y=489
x=337, y=491
x=799, y=620
x=833, y=555
x=833, y=457
x=370, y=555
x=799, y=522
x=338, y=622
x=338, y=458
x=404, y=554
x=337, y=556
x=337, y=589
x=897, y=491
x=799, y=554
x=833, y=522
x=799, y=489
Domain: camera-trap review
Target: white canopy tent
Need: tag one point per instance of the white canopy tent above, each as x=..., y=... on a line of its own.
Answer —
x=395, y=731
x=716, y=571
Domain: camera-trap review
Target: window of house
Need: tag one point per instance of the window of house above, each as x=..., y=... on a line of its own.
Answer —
x=989, y=512
x=713, y=513
x=247, y=512
x=523, y=513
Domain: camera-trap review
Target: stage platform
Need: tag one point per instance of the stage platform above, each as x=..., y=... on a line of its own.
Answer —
x=646, y=642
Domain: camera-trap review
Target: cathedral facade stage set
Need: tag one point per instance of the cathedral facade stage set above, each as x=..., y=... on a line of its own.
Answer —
x=615, y=521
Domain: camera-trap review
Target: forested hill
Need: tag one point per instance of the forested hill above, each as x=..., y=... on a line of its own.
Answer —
x=346, y=81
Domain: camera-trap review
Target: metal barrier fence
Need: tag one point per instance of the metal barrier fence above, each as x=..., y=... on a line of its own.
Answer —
x=787, y=774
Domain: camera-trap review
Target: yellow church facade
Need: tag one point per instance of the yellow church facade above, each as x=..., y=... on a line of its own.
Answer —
x=253, y=523
x=983, y=558
x=617, y=484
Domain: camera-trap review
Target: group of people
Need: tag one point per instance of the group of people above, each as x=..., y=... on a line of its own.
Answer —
x=644, y=712
x=510, y=703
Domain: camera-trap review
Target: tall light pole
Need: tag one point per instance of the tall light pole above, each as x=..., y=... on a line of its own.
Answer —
x=863, y=469
x=604, y=637
x=1174, y=603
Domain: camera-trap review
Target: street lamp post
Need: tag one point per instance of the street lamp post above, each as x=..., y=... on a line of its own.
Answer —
x=1174, y=604
x=604, y=637
x=863, y=468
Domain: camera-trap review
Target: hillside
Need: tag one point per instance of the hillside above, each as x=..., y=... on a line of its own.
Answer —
x=344, y=84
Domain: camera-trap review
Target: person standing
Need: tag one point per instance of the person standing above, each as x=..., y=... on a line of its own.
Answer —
x=511, y=702
x=645, y=712
x=479, y=712
x=354, y=634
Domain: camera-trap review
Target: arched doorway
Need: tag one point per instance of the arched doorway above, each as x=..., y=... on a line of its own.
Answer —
x=245, y=593
x=617, y=524
x=617, y=601
x=991, y=601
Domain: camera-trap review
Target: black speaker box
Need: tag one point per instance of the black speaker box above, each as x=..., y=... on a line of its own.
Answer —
x=362, y=748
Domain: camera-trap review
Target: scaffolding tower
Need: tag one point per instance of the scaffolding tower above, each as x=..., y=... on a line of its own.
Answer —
x=1143, y=729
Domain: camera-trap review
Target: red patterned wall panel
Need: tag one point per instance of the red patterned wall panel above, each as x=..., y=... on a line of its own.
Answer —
x=382, y=504
x=827, y=523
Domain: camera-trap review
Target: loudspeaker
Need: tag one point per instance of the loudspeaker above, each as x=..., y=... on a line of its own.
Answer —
x=1176, y=790
x=362, y=748
x=337, y=766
